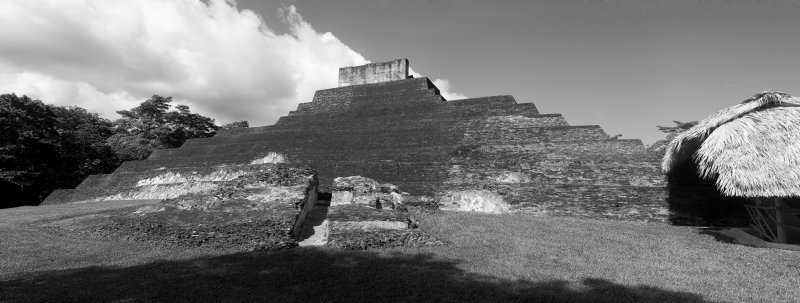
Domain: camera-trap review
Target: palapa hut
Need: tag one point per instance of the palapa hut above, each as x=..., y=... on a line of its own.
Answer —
x=750, y=150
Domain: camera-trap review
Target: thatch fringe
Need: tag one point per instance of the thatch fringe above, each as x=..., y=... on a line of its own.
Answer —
x=753, y=148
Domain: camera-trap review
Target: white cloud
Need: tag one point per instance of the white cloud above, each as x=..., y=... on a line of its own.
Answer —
x=110, y=55
x=447, y=91
x=221, y=61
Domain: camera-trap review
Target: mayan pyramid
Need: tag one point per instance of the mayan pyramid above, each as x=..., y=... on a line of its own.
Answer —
x=383, y=124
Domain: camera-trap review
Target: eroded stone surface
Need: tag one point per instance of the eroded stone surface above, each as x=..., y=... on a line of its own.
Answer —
x=474, y=200
x=271, y=158
x=261, y=210
x=365, y=191
x=374, y=72
x=352, y=225
x=357, y=226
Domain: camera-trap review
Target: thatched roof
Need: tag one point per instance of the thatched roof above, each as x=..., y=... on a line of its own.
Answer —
x=753, y=148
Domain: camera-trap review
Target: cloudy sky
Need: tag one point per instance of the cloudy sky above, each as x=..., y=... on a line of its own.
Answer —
x=625, y=65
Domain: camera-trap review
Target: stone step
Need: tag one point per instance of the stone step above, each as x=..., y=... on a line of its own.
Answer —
x=375, y=140
x=316, y=226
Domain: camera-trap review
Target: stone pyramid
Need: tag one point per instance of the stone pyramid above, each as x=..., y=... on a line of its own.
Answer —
x=383, y=124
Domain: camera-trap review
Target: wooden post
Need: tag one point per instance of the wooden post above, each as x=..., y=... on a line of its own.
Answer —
x=779, y=230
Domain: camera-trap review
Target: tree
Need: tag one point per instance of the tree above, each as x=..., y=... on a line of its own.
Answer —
x=184, y=125
x=677, y=129
x=660, y=146
x=83, y=138
x=237, y=124
x=43, y=147
x=149, y=126
x=26, y=141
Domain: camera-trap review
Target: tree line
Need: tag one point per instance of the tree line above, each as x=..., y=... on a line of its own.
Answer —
x=45, y=147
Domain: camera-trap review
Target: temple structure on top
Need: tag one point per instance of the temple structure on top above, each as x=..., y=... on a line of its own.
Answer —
x=374, y=72
x=381, y=124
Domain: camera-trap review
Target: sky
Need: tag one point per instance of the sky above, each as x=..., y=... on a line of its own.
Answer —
x=627, y=66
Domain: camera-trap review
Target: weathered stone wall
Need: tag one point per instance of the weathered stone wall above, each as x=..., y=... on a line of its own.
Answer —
x=261, y=209
x=153, y=183
x=374, y=72
x=631, y=203
x=375, y=96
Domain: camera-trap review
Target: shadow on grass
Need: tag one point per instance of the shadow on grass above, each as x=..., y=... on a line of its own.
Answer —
x=313, y=275
x=718, y=236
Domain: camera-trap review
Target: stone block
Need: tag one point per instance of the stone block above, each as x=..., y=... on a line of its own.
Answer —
x=364, y=191
x=474, y=200
x=374, y=72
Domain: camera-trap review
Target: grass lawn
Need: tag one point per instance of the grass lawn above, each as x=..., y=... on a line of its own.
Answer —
x=498, y=258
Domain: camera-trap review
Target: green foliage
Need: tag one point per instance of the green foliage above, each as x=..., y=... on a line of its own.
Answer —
x=660, y=146
x=129, y=147
x=26, y=133
x=43, y=147
x=678, y=128
x=237, y=124
x=149, y=126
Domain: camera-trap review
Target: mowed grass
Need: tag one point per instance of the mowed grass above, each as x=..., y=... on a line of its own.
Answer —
x=29, y=243
x=628, y=258
x=492, y=258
